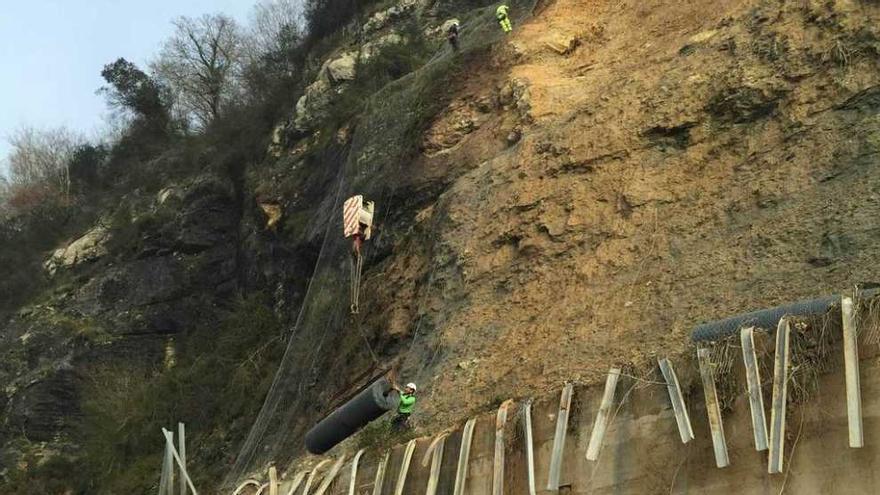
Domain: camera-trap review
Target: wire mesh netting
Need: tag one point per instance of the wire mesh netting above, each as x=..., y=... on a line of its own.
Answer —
x=383, y=144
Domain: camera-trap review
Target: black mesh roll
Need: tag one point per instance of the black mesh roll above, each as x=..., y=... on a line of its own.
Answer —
x=364, y=407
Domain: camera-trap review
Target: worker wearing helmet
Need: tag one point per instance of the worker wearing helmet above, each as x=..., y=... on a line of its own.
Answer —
x=452, y=34
x=503, y=16
x=405, y=406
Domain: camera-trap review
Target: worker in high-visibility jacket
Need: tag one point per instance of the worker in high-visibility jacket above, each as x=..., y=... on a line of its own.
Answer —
x=502, y=14
x=405, y=407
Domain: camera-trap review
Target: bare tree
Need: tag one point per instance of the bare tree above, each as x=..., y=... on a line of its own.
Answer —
x=274, y=28
x=42, y=157
x=5, y=191
x=201, y=63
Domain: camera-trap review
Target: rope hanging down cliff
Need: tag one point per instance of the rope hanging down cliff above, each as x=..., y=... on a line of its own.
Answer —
x=375, y=160
x=357, y=217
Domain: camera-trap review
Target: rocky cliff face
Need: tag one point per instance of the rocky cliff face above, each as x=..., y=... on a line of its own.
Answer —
x=578, y=195
x=608, y=177
x=119, y=299
x=682, y=163
x=611, y=175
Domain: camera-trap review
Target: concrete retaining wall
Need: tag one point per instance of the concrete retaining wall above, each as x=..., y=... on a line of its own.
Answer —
x=643, y=453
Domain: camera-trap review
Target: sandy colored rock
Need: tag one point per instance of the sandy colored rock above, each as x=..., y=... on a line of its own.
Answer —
x=373, y=48
x=341, y=68
x=310, y=106
x=169, y=194
x=563, y=44
x=274, y=212
x=383, y=18
x=91, y=246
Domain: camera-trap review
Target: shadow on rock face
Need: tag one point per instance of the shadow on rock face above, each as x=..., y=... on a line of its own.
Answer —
x=742, y=105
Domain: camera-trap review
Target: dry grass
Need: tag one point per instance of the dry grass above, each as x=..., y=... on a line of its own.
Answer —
x=811, y=342
x=841, y=53
x=724, y=355
x=868, y=314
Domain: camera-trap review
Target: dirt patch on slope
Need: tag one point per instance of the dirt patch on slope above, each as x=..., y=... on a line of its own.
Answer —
x=683, y=162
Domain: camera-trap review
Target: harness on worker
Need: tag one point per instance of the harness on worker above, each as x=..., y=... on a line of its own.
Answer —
x=357, y=219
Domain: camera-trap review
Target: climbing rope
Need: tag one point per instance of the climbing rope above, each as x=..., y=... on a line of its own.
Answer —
x=318, y=318
x=367, y=342
x=357, y=266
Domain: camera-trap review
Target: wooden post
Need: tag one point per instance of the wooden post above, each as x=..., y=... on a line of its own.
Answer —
x=431, y=450
x=380, y=474
x=753, y=379
x=297, y=480
x=713, y=409
x=601, y=424
x=352, y=484
x=325, y=483
x=404, y=467
x=559, y=438
x=168, y=446
x=242, y=486
x=685, y=431
x=464, y=454
x=313, y=475
x=181, y=448
x=780, y=396
x=851, y=364
x=436, y=452
x=169, y=438
x=498, y=467
x=530, y=450
x=166, y=480
x=273, y=481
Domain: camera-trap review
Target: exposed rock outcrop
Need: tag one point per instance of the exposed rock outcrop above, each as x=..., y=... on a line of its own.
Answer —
x=340, y=69
x=91, y=246
x=130, y=297
x=311, y=105
x=383, y=18
x=373, y=48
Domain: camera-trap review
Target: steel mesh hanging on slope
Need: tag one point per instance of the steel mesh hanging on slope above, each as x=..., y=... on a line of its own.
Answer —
x=381, y=148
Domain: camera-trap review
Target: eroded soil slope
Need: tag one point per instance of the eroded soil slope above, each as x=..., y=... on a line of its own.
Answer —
x=617, y=172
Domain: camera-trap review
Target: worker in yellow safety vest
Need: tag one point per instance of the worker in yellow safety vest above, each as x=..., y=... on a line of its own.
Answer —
x=502, y=14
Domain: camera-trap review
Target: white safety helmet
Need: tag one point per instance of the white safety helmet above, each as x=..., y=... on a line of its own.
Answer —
x=412, y=386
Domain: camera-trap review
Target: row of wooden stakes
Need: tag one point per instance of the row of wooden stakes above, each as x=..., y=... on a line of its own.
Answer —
x=774, y=443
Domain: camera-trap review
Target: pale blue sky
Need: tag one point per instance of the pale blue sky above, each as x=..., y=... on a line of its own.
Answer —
x=52, y=52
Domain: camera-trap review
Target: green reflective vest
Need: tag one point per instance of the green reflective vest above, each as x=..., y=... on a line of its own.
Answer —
x=407, y=404
x=501, y=12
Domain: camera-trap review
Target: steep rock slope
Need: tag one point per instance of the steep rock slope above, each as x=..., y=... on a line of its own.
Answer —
x=677, y=163
x=606, y=177
x=584, y=191
x=120, y=294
